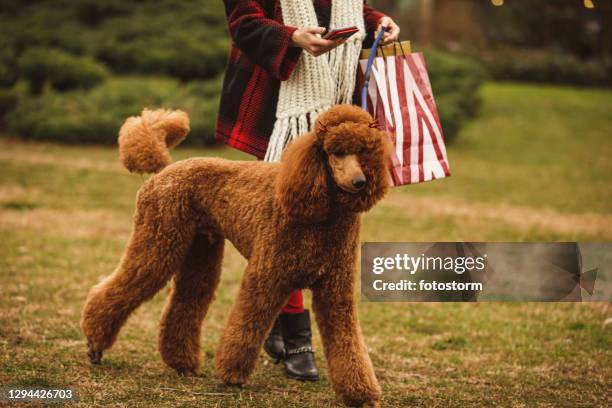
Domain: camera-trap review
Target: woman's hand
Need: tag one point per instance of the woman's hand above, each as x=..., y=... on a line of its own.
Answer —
x=309, y=39
x=392, y=33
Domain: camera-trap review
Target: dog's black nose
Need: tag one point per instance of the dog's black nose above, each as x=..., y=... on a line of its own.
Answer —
x=359, y=183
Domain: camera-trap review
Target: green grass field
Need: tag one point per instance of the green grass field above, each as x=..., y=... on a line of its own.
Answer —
x=534, y=166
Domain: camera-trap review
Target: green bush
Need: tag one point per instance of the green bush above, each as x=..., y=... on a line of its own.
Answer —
x=546, y=66
x=95, y=116
x=185, y=39
x=8, y=68
x=63, y=71
x=456, y=82
x=8, y=100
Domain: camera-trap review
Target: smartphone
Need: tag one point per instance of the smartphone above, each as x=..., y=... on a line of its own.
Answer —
x=339, y=33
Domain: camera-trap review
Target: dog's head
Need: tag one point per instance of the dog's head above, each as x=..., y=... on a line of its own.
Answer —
x=342, y=164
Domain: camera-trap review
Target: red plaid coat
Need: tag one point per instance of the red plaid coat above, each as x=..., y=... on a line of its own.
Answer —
x=261, y=56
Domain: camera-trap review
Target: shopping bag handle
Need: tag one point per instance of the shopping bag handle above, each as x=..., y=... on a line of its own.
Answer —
x=368, y=71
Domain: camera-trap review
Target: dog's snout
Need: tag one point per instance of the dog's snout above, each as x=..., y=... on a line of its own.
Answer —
x=359, y=183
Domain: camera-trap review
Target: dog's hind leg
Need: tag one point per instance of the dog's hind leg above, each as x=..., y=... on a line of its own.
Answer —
x=154, y=253
x=192, y=292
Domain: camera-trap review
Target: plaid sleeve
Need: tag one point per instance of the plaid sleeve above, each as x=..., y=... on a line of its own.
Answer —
x=266, y=42
x=371, y=18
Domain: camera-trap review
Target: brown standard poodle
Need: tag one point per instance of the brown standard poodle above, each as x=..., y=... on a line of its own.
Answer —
x=296, y=222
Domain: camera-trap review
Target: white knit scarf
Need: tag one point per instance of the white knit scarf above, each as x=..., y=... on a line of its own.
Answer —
x=316, y=83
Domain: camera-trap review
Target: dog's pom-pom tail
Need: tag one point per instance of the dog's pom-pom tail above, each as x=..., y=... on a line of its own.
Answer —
x=144, y=140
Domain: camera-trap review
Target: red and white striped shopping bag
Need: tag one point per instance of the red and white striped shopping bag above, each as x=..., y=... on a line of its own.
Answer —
x=398, y=95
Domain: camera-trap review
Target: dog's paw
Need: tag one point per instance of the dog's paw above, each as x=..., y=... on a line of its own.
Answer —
x=232, y=379
x=233, y=371
x=231, y=384
x=187, y=372
x=95, y=357
x=372, y=401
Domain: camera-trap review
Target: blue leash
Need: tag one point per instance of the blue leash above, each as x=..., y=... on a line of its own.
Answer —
x=366, y=79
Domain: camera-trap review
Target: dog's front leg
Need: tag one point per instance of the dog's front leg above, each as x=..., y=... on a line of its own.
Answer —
x=259, y=302
x=350, y=368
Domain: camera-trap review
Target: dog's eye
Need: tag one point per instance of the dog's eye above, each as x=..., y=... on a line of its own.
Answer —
x=339, y=155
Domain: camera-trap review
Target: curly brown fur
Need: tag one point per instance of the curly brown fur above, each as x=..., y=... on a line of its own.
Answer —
x=296, y=222
x=144, y=140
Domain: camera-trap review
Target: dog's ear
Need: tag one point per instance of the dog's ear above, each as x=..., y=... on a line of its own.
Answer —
x=301, y=185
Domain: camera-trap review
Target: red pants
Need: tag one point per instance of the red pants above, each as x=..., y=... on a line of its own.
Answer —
x=295, y=304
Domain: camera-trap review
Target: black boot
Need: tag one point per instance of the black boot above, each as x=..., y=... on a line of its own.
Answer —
x=274, y=345
x=299, y=356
